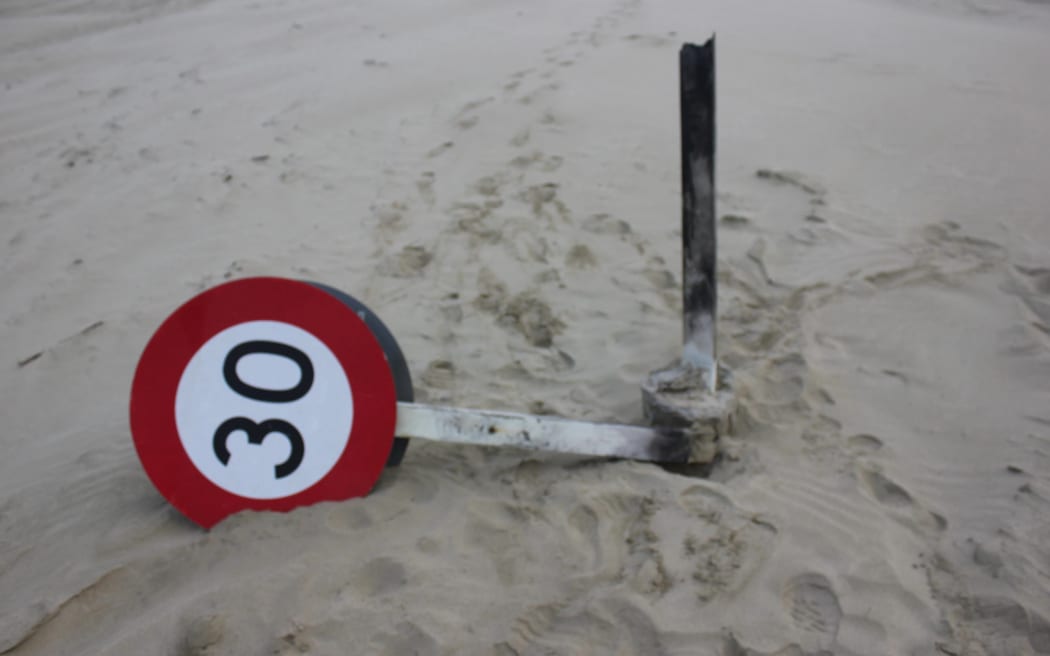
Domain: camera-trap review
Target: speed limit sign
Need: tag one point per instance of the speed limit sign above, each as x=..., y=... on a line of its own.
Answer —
x=269, y=394
x=262, y=394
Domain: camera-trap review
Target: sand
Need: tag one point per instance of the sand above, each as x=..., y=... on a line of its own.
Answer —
x=499, y=182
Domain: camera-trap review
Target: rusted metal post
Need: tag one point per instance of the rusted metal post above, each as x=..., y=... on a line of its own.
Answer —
x=699, y=241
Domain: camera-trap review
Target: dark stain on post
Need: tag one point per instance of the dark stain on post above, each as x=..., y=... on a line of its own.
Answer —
x=674, y=446
x=699, y=292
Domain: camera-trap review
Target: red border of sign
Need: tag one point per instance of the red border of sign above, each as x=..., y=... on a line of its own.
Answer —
x=183, y=333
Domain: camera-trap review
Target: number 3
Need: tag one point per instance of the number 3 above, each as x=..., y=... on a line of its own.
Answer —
x=257, y=432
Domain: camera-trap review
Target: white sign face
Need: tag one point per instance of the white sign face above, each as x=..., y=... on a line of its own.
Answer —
x=264, y=410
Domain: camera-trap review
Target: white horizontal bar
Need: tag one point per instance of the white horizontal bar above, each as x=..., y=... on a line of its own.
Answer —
x=444, y=424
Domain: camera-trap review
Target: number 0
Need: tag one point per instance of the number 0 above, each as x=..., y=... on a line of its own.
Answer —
x=306, y=371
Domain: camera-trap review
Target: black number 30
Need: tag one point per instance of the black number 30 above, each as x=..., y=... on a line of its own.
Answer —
x=257, y=432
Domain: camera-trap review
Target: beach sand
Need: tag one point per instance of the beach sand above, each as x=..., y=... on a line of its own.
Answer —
x=499, y=182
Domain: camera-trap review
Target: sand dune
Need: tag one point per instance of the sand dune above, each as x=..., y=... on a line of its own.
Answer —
x=499, y=182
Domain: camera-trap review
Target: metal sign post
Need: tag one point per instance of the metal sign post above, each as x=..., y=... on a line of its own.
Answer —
x=694, y=392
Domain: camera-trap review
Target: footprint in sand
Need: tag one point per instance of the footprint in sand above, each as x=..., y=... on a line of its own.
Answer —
x=549, y=118
x=389, y=219
x=489, y=185
x=73, y=157
x=1005, y=626
x=895, y=497
x=953, y=243
x=521, y=138
x=611, y=625
x=580, y=257
x=348, y=518
x=538, y=92
x=1032, y=286
x=547, y=164
x=614, y=539
x=884, y=490
x=495, y=528
x=814, y=609
x=425, y=185
x=792, y=179
x=377, y=577
x=293, y=642
x=727, y=545
x=1037, y=278
x=734, y=220
x=543, y=198
x=406, y=638
x=439, y=374
x=814, y=192
x=777, y=395
x=474, y=104
x=533, y=318
x=657, y=273
x=492, y=292
x=202, y=636
x=650, y=40
x=863, y=443
x=440, y=149
x=409, y=263
x=603, y=224
x=516, y=80
x=466, y=118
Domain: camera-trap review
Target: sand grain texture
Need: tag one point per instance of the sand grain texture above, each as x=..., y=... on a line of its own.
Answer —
x=499, y=182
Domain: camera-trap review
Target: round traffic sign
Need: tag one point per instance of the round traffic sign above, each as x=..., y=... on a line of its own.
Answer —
x=262, y=394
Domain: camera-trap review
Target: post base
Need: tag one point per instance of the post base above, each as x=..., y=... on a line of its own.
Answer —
x=678, y=396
